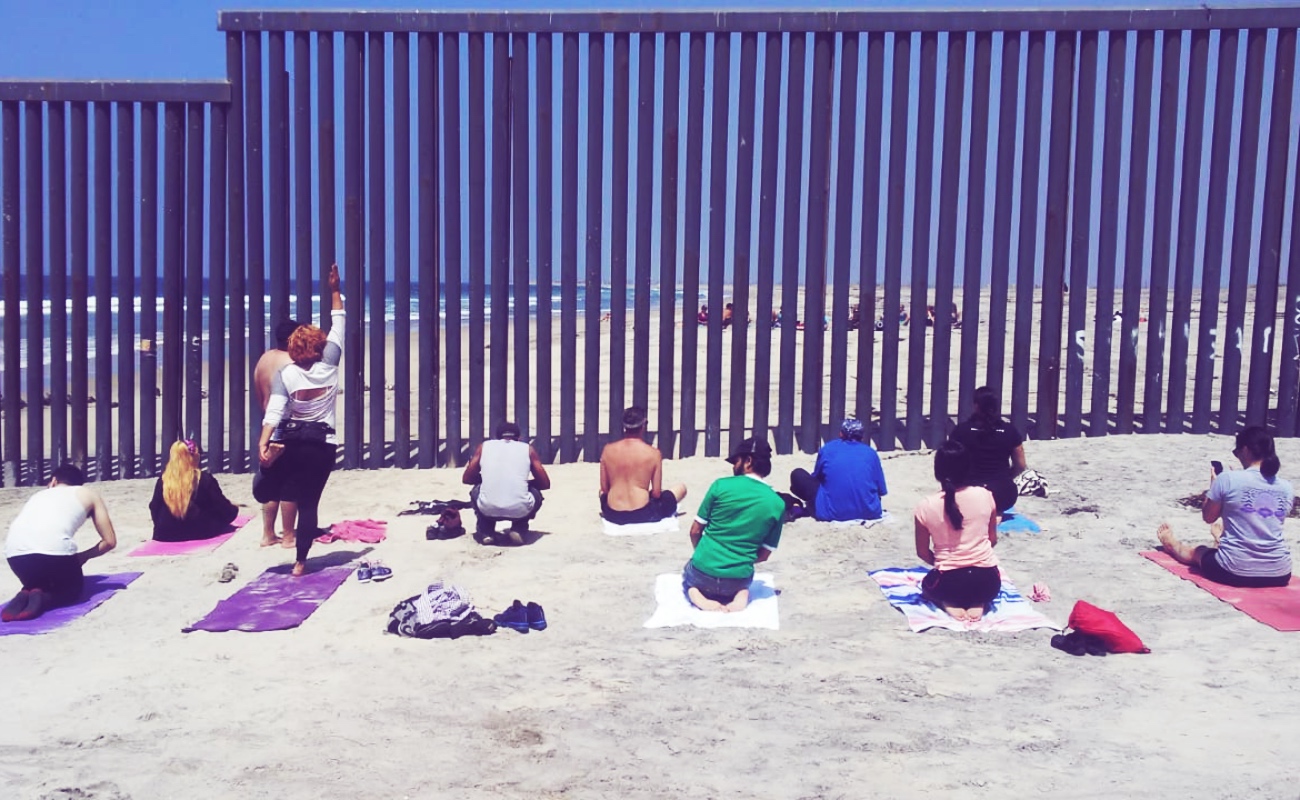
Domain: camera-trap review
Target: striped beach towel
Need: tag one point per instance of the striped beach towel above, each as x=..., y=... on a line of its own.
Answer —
x=1011, y=611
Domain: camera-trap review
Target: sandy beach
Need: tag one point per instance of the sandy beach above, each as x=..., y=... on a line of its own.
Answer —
x=842, y=702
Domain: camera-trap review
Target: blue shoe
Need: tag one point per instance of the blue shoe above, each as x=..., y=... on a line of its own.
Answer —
x=515, y=618
x=536, y=617
x=364, y=573
x=379, y=573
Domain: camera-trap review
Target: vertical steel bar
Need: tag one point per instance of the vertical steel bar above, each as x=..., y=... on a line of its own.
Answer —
x=254, y=200
x=872, y=212
x=1260, y=381
x=429, y=217
x=57, y=175
x=618, y=266
x=277, y=157
x=595, y=187
x=217, y=297
x=669, y=223
x=353, y=243
x=522, y=206
x=12, y=441
x=103, y=210
x=743, y=260
x=1185, y=266
x=645, y=141
x=819, y=190
x=1135, y=253
x=478, y=265
x=1081, y=234
x=695, y=44
x=301, y=157
x=1289, y=383
x=1055, y=232
x=126, y=266
x=450, y=190
x=972, y=284
x=774, y=44
x=241, y=399
x=1216, y=223
x=1162, y=237
x=718, y=156
x=376, y=225
x=194, y=272
x=946, y=254
x=1108, y=251
x=33, y=215
x=326, y=166
x=1243, y=231
x=841, y=253
x=569, y=250
x=1027, y=253
x=79, y=344
x=402, y=250
x=499, y=225
x=922, y=199
x=149, y=461
x=899, y=137
x=1004, y=193
x=173, y=222
x=544, y=214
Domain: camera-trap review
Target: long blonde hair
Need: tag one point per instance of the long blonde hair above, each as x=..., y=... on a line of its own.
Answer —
x=181, y=478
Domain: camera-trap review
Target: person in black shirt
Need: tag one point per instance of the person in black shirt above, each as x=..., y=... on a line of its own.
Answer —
x=187, y=502
x=996, y=447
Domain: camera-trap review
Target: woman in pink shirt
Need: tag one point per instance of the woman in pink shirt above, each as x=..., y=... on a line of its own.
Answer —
x=956, y=530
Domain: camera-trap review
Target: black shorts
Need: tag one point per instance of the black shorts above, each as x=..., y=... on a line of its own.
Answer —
x=965, y=587
x=1211, y=569
x=653, y=511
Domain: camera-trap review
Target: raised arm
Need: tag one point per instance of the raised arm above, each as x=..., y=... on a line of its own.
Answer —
x=333, y=353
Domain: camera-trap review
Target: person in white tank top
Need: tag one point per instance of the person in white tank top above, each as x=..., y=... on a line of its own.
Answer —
x=40, y=547
x=508, y=479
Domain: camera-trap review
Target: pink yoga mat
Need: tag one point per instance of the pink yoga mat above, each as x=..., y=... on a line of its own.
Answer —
x=1278, y=608
x=156, y=548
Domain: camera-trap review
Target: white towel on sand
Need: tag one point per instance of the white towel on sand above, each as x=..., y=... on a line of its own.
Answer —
x=665, y=525
x=674, y=609
x=885, y=519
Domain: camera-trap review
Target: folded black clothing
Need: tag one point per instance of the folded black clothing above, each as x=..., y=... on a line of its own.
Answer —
x=1080, y=644
x=434, y=506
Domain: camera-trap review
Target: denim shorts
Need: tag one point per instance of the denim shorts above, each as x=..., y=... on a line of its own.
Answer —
x=719, y=590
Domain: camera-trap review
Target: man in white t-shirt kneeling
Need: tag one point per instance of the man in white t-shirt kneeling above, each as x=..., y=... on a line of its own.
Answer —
x=508, y=479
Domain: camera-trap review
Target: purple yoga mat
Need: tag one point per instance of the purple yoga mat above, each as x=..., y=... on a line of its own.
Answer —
x=275, y=601
x=98, y=588
x=154, y=547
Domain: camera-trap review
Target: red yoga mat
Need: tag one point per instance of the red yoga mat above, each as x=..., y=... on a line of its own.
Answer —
x=1276, y=607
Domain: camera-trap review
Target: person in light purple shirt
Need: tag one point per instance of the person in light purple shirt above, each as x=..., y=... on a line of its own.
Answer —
x=1245, y=508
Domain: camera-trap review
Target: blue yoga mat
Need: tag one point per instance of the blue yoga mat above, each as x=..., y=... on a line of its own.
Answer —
x=1015, y=522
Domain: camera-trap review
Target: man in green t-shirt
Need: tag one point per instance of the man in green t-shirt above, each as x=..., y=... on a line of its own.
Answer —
x=737, y=526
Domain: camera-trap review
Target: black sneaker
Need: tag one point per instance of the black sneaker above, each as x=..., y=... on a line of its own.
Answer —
x=536, y=617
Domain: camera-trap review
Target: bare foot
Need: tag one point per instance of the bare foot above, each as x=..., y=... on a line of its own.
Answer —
x=271, y=542
x=288, y=540
x=956, y=613
x=299, y=569
x=703, y=603
x=1166, y=536
x=738, y=602
x=975, y=614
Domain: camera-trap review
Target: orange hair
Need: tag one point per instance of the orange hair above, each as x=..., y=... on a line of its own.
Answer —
x=306, y=345
x=180, y=479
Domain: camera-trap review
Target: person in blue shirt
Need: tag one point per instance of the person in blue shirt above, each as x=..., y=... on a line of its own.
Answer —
x=847, y=482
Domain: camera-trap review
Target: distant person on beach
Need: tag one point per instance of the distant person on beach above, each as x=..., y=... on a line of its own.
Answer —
x=508, y=479
x=703, y=317
x=847, y=481
x=1246, y=508
x=631, y=477
x=300, y=417
x=265, y=488
x=996, y=448
x=40, y=547
x=737, y=525
x=855, y=317
x=187, y=502
x=956, y=531
x=727, y=312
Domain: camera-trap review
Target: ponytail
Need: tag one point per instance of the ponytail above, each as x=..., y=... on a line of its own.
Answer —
x=950, y=503
x=1259, y=442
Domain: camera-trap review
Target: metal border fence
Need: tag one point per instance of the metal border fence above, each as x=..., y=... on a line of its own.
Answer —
x=519, y=190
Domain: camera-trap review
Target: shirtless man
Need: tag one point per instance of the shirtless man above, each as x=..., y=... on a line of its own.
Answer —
x=264, y=487
x=631, y=473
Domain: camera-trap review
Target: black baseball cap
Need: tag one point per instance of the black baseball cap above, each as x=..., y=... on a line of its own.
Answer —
x=753, y=446
x=508, y=430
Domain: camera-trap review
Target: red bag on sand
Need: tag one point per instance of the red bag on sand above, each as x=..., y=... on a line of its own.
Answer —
x=1087, y=618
